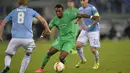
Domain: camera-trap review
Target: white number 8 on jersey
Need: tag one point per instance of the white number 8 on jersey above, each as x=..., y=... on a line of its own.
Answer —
x=20, y=17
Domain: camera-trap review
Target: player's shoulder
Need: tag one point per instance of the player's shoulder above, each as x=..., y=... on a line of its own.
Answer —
x=92, y=6
x=30, y=9
x=55, y=18
x=76, y=9
x=80, y=8
x=66, y=10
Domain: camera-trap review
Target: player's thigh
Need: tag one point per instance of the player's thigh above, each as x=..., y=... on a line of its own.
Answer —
x=52, y=51
x=82, y=38
x=94, y=39
x=13, y=46
x=57, y=44
x=68, y=46
x=28, y=45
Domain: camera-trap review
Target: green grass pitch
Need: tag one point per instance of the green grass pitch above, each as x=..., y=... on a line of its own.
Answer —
x=114, y=58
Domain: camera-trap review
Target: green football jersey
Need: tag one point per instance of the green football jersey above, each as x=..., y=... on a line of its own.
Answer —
x=64, y=25
x=75, y=26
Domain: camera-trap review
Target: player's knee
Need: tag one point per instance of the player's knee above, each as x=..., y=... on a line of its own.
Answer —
x=9, y=55
x=94, y=49
x=49, y=53
x=28, y=54
x=79, y=45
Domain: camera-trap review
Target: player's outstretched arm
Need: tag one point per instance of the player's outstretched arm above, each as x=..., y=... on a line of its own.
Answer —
x=2, y=25
x=87, y=16
x=95, y=21
x=79, y=21
x=45, y=24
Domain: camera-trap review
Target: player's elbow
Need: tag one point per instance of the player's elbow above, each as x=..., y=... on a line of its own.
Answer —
x=96, y=18
x=3, y=24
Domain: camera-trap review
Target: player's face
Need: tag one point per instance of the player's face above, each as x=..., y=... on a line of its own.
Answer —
x=23, y=2
x=26, y=1
x=84, y=2
x=70, y=4
x=59, y=12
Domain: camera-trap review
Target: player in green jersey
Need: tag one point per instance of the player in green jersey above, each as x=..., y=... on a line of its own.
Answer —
x=66, y=38
x=72, y=10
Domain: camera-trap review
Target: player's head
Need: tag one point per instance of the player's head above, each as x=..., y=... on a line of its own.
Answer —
x=59, y=10
x=22, y=2
x=71, y=3
x=84, y=2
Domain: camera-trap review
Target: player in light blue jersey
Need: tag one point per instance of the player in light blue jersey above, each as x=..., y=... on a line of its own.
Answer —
x=22, y=34
x=90, y=32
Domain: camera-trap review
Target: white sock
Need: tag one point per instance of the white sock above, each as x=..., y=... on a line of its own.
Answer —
x=7, y=61
x=80, y=53
x=24, y=64
x=96, y=54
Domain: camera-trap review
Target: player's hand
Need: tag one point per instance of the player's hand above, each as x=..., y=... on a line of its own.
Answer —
x=47, y=31
x=84, y=27
x=76, y=22
x=95, y=17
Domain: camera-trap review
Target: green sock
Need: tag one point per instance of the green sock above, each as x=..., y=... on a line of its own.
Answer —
x=64, y=61
x=45, y=60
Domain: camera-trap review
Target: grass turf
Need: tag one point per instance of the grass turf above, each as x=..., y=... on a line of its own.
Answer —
x=114, y=58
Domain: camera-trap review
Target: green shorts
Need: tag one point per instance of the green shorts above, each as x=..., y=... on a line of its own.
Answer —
x=64, y=45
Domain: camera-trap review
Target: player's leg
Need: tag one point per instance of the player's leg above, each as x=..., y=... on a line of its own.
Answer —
x=55, y=48
x=96, y=55
x=94, y=43
x=62, y=56
x=28, y=45
x=11, y=50
x=82, y=39
x=66, y=49
x=51, y=52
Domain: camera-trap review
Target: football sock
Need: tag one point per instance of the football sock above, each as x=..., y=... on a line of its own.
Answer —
x=7, y=61
x=24, y=64
x=45, y=60
x=96, y=54
x=80, y=53
x=63, y=61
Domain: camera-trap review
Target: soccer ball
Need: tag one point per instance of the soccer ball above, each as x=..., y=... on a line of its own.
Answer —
x=59, y=67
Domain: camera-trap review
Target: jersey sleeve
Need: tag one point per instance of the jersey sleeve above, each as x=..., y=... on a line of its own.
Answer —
x=77, y=10
x=9, y=16
x=52, y=23
x=36, y=14
x=95, y=11
x=72, y=16
x=80, y=11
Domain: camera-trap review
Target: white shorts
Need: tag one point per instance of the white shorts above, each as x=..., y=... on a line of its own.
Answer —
x=15, y=43
x=92, y=37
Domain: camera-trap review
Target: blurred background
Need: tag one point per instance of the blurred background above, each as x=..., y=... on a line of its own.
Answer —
x=114, y=24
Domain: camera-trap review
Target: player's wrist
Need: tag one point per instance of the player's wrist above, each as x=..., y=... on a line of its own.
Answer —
x=91, y=17
x=89, y=26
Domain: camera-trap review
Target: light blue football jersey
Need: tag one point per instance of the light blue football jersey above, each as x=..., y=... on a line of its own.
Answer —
x=22, y=18
x=92, y=11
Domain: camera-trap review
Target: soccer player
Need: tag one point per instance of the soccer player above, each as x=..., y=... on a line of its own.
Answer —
x=66, y=38
x=22, y=34
x=72, y=10
x=90, y=32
